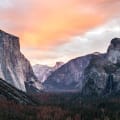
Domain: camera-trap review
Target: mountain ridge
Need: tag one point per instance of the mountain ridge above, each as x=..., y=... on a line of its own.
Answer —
x=88, y=74
x=43, y=71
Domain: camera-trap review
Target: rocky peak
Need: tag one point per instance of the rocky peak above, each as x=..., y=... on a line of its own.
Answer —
x=43, y=71
x=67, y=77
x=102, y=74
x=58, y=65
x=14, y=67
x=94, y=74
x=115, y=42
x=113, y=53
x=9, y=41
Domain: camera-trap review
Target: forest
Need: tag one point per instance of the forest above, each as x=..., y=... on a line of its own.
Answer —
x=62, y=106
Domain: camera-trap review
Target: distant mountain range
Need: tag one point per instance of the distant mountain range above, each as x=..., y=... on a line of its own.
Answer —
x=95, y=74
x=43, y=71
x=91, y=75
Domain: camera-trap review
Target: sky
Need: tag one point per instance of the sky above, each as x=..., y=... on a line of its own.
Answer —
x=60, y=30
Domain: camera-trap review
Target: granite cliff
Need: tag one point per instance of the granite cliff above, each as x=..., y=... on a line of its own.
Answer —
x=43, y=71
x=102, y=76
x=14, y=67
x=95, y=74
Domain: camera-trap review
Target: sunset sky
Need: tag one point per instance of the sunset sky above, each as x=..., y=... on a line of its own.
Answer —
x=59, y=30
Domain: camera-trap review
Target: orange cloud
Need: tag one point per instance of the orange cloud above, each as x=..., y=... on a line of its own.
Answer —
x=43, y=25
x=48, y=23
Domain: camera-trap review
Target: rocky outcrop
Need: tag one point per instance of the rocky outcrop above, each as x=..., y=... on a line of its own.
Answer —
x=43, y=71
x=102, y=76
x=96, y=74
x=14, y=67
x=57, y=65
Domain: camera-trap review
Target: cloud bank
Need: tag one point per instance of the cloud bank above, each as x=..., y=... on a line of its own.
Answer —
x=48, y=27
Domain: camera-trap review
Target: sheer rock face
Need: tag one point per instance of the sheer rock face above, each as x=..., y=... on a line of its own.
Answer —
x=95, y=74
x=103, y=73
x=113, y=54
x=69, y=76
x=14, y=67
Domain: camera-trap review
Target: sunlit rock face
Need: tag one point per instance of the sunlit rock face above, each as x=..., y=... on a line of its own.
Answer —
x=43, y=71
x=113, y=54
x=14, y=67
x=95, y=74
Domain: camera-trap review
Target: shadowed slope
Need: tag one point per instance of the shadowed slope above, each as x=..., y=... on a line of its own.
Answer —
x=9, y=92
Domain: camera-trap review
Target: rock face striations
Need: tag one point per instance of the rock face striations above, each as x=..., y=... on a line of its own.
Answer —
x=43, y=71
x=69, y=76
x=14, y=67
x=92, y=75
x=95, y=74
x=102, y=76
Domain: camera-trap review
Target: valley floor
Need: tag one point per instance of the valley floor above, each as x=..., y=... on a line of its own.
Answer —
x=62, y=107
